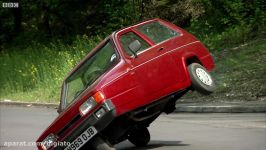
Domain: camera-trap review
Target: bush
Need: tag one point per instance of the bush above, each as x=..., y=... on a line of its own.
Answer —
x=227, y=23
x=37, y=72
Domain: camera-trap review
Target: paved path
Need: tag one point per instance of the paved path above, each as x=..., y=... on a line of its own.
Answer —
x=170, y=132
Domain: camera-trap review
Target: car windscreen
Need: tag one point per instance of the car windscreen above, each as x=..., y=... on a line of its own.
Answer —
x=102, y=60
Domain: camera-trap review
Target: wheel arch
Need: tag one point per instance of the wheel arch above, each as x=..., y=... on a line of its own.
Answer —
x=192, y=59
x=186, y=61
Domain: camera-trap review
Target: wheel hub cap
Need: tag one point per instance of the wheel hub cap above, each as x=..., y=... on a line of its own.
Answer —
x=204, y=76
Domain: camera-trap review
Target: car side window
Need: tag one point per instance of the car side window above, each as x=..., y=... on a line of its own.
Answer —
x=157, y=32
x=128, y=38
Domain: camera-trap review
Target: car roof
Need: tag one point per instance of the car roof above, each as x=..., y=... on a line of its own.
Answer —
x=137, y=24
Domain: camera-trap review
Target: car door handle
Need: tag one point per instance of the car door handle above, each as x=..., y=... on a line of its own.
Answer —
x=161, y=48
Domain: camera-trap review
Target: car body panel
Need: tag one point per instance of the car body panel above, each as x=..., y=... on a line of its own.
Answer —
x=134, y=82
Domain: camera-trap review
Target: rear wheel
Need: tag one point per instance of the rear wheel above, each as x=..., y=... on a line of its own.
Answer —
x=201, y=79
x=139, y=137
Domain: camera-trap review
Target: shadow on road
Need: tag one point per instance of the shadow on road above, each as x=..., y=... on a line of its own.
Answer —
x=156, y=144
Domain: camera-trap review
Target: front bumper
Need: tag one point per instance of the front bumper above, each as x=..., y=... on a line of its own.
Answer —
x=92, y=120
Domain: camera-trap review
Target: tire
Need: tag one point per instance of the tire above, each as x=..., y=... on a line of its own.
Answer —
x=140, y=137
x=201, y=79
x=99, y=143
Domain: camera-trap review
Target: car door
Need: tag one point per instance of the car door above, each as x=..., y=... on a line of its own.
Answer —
x=155, y=69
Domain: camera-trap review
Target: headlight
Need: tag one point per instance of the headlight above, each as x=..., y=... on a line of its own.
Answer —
x=89, y=104
x=48, y=141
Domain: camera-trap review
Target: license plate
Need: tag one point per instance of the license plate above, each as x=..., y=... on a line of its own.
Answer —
x=82, y=139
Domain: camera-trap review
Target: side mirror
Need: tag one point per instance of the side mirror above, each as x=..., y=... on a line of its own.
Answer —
x=134, y=47
x=113, y=58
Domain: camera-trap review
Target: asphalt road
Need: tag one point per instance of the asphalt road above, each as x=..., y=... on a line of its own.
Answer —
x=169, y=132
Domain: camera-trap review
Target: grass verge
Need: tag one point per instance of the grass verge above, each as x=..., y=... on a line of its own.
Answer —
x=35, y=74
x=239, y=74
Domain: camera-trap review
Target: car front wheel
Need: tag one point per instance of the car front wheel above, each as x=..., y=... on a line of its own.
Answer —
x=201, y=79
x=139, y=137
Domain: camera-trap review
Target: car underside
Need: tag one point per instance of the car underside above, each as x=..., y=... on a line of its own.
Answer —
x=126, y=126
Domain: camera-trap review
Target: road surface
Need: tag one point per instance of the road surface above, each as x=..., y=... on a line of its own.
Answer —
x=169, y=132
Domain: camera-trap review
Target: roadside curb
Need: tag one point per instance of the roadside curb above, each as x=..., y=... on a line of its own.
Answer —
x=222, y=108
x=28, y=104
x=180, y=107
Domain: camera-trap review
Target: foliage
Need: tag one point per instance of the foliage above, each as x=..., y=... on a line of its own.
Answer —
x=53, y=19
x=39, y=69
x=42, y=40
x=240, y=71
x=62, y=19
x=238, y=74
x=229, y=22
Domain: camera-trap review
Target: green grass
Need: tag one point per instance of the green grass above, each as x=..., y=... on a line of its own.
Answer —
x=35, y=73
x=239, y=73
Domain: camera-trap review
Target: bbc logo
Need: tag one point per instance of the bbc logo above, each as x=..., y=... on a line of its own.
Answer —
x=10, y=5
